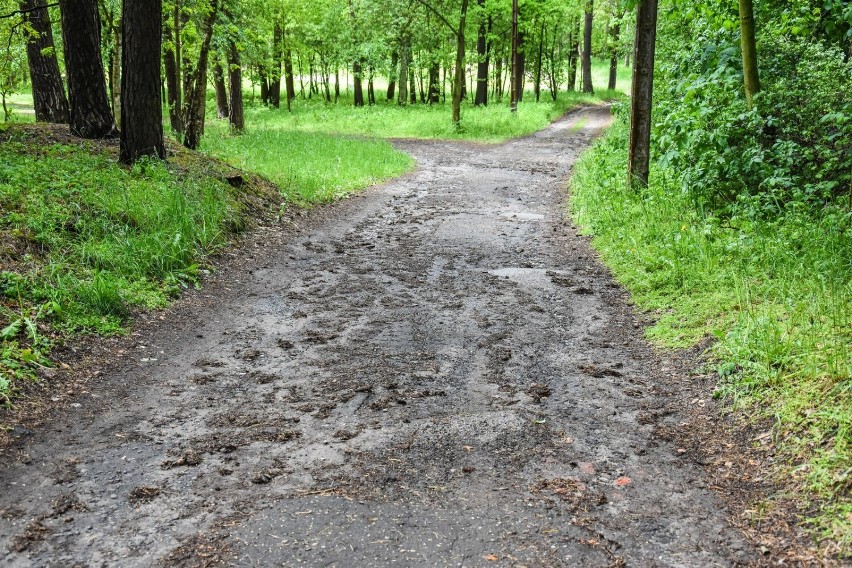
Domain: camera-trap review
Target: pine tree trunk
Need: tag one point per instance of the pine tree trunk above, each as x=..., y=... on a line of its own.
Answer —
x=641, y=94
x=235, y=75
x=49, y=99
x=87, y=94
x=197, y=82
x=458, y=83
x=141, y=102
x=222, y=107
x=587, y=49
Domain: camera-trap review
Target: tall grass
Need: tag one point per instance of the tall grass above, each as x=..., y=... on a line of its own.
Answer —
x=83, y=241
x=777, y=295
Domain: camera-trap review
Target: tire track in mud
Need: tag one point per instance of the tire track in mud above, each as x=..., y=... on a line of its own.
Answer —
x=439, y=373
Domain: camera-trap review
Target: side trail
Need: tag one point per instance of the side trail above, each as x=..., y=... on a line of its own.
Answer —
x=437, y=372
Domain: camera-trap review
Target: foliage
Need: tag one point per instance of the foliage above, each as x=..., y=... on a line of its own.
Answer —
x=776, y=293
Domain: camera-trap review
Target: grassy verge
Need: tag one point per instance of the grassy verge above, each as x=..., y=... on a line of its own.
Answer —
x=777, y=295
x=84, y=241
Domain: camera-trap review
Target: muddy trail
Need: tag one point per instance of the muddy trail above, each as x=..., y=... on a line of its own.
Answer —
x=437, y=372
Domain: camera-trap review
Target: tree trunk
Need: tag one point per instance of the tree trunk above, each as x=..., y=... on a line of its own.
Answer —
x=522, y=64
x=172, y=80
x=197, y=81
x=142, y=102
x=358, y=98
x=275, y=76
x=412, y=86
x=235, y=74
x=458, y=82
x=289, y=85
x=264, y=86
x=336, y=84
x=750, y=77
x=513, y=86
x=481, y=98
x=434, y=80
x=404, y=58
x=613, y=57
x=49, y=99
x=587, y=49
x=222, y=110
x=573, y=55
x=537, y=85
x=117, y=61
x=498, y=76
x=371, y=92
x=89, y=104
x=641, y=94
x=392, y=78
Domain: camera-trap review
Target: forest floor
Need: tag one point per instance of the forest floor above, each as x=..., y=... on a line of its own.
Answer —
x=437, y=371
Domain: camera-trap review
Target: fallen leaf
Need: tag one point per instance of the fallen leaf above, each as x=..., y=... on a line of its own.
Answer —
x=491, y=557
x=622, y=481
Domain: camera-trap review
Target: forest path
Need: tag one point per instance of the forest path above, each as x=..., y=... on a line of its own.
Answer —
x=437, y=372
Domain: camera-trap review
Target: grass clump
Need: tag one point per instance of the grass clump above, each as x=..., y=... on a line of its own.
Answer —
x=85, y=241
x=775, y=292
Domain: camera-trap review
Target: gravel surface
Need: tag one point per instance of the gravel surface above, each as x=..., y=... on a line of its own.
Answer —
x=437, y=372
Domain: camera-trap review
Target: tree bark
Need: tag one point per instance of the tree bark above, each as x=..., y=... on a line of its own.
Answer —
x=197, y=81
x=49, y=99
x=481, y=98
x=522, y=64
x=404, y=58
x=235, y=76
x=587, y=49
x=458, y=83
x=613, y=57
x=172, y=80
x=641, y=94
x=412, y=86
x=537, y=84
x=751, y=80
x=289, y=85
x=87, y=95
x=573, y=55
x=371, y=92
x=392, y=76
x=513, y=87
x=142, y=100
x=117, y=61
x=222, y=107
x=434, y=80
x=275, y=76
x=358, y=97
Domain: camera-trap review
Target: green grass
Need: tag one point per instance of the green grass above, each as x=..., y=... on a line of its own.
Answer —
x=308, y=167
x=85, y=241
x=776, y=294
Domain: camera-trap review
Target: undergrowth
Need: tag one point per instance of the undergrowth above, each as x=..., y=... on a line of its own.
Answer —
x=84, y=241
x=775, y=292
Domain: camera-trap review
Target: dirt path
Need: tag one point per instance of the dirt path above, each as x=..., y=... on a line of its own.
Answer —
x=437, y=374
